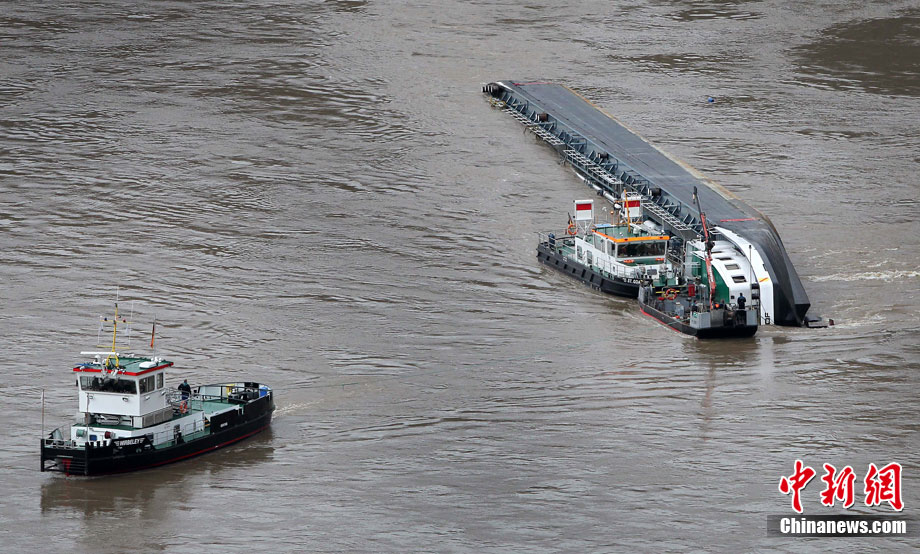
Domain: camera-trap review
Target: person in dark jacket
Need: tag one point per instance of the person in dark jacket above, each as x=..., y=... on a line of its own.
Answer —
x=185, y=389
x=741, y=301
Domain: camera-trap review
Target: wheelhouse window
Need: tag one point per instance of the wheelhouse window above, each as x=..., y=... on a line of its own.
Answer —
x=146, y=384
x=160, y=380
x=641, y=249
x=101, y=384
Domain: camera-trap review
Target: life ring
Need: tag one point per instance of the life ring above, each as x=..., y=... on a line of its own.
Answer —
x=669, y=294
x=183, y=407
x=571, y=229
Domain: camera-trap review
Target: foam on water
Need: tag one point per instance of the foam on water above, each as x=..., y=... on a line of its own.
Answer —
x=887, y=275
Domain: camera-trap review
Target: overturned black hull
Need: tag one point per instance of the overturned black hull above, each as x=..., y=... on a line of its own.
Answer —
x=585, y=274
x=610, y=157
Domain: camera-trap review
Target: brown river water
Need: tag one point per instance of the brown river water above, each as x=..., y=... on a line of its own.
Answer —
x=317, y=195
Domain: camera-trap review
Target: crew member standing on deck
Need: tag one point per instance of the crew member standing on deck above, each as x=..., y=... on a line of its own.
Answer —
x=185, y=389
x=741, y=301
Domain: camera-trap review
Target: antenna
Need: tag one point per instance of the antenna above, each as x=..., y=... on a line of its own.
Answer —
x=128, y=326
x=153, y=336
x=113, y=352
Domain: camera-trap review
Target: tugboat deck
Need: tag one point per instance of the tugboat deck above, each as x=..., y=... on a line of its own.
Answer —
x=209, y=408
x=616, y=233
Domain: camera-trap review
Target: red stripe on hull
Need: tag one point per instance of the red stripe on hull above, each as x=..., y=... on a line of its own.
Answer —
x=661, y=322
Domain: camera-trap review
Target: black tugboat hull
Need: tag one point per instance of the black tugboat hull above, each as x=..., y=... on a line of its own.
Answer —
x=585, y=274
x=737, y=332
x=107, y=460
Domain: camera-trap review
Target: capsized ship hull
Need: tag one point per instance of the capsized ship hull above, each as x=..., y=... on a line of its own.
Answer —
x=612, y=158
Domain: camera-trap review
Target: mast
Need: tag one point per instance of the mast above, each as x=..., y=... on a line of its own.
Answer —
x=153, y=335
x=113, y=353
x=712, y=281
x=628, y=219
x=115, y=330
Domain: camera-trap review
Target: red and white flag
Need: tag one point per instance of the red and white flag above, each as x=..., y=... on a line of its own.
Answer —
x=584, y=210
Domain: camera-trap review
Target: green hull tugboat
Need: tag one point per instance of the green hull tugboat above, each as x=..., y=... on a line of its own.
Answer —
x=129, y=419
x=710, y=300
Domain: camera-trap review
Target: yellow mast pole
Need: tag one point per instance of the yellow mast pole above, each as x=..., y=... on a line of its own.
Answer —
x=114, y=335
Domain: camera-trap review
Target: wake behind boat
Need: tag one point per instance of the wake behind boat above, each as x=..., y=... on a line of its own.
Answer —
x=129, y=419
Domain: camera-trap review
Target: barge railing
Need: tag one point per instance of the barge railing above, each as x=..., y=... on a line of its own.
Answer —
x=600, y=168
x=666, y=214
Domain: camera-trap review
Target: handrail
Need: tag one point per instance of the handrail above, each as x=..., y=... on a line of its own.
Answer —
x=614, y=184
x=162, y=438
x=61, y=441
x=603, y=265
x=159, y=439
x=609, y=176
x=558, y=235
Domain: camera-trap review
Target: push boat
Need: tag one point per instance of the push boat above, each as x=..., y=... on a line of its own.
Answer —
x=129, y=419
x=617, y=257
x=683, y=311
x=708, y=303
